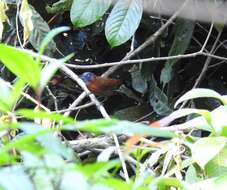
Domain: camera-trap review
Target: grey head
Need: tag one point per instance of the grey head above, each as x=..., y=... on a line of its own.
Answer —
x=87, y=77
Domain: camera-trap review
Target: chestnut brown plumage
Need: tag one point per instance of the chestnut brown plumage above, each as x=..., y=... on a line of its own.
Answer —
x=99, y=85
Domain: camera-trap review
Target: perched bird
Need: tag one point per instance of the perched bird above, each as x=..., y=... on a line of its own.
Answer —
x=99, y=85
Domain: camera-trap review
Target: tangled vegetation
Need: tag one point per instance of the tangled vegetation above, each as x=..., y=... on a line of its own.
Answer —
x=98, y=94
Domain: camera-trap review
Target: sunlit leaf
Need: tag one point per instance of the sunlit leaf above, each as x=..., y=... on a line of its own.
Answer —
x=60, y=6
x=31, y=114
x=218, y=165
x=208, y=147
x=21, y=64
x=198, y=93
x=5, y=96
x=123, y=21
x=86, y=12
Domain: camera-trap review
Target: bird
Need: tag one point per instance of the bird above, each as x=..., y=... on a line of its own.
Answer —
x=99, y=85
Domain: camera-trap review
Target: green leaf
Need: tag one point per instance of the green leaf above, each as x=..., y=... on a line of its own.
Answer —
x=97, y=170
x=183, y=35
x=60, y=6
x=218, y=165
x=86, y=12
x=31, y=114
x=15, y=178
x=5, y=96
x=205, y=149
x=158, y=99
x=221, y=182
x=166, y=73
x=187, y=111
x=123, y=21
x=138, y=82
x=23, y=143
x=21, y=64
x=122, y=127
x=191, y=175
x=17, y=89
x=198, y=93
x=9, y=96
x=217, y=183
x=166, y=182
x=219, y=119
x=115, y=184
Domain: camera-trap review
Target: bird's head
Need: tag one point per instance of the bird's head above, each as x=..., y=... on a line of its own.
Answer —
x=87, y=77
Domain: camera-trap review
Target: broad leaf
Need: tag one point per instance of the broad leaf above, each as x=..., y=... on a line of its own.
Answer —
x=21, y=64
x=198, y=93
x=31, y=114
x=86, y=12
x=205, y=149
x=123, y=21
x=191, y=175
x=217, y=166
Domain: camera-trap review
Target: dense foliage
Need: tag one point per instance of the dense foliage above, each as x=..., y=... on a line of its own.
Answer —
x=162, y=129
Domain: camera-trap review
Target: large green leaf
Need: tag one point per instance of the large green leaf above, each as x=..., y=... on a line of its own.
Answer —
x=31, y=114
x=199, y=93
x=21, y=64
x=218, y=165
x=86, y=12
x=205, y=149
x=123, y=21
x=217, y=183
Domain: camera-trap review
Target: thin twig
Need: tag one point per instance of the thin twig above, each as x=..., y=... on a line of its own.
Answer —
x=99, y=106
x=208, y=60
